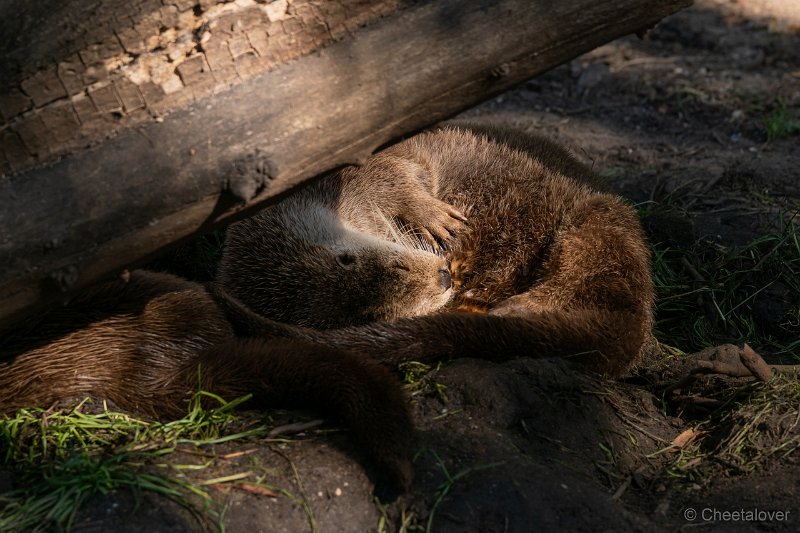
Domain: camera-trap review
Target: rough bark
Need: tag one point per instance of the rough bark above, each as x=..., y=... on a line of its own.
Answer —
x=127, y=126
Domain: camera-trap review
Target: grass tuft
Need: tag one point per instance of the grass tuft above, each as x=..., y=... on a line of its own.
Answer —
x=765, y=423
x=711, y=293
x=780, y=124
x=61, y=458
x=757, y=423
x=420, y=380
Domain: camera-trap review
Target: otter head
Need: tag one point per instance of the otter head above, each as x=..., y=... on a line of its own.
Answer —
x=297, y=262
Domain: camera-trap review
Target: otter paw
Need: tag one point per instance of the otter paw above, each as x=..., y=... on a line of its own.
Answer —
x=435, y=221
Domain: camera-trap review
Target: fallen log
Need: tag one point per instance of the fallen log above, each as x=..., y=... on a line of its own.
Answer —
x=129, y=126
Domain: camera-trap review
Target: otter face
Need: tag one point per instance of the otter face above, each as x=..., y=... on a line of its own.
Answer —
x=381, y=280
x=306, y=267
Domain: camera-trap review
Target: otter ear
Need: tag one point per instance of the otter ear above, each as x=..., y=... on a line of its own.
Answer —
x=346, y=259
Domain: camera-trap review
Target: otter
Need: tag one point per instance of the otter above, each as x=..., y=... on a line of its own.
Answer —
x=464, y=241
x=146, y=342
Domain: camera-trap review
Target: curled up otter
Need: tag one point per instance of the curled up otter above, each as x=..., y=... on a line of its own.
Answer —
x=538, y=259
x=464, y=241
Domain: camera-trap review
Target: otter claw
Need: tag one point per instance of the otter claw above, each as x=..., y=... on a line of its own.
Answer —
x=455, y=213
x=450, y=220
x=438, y=229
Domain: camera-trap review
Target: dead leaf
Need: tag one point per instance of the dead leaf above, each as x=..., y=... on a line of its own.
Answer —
x=686, y=437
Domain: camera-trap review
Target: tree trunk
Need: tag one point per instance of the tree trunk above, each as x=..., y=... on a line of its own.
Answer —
x=127, y=126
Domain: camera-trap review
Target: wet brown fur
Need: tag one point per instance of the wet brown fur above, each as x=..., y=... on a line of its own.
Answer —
x=554, y=263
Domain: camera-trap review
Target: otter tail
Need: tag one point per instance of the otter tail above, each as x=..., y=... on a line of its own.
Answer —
x=605, y=341
x=364, y=396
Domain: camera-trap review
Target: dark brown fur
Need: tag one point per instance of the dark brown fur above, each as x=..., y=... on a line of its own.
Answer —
x=143, y=344
x=556, y=265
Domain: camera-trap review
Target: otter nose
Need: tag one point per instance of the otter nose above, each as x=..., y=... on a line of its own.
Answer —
x=445, y=279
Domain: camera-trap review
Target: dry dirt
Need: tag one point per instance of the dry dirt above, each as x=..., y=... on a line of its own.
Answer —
x=676, y=118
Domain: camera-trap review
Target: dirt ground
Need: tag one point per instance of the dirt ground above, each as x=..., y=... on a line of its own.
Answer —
x=678, y=123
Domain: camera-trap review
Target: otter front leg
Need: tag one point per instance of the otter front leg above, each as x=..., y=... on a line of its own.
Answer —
x=399, y=192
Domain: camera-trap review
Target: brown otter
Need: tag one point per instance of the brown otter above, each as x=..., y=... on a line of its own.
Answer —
x=558, y=264
x=146, y=343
